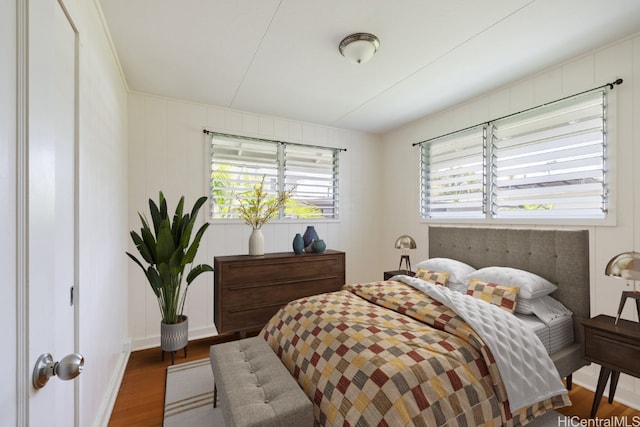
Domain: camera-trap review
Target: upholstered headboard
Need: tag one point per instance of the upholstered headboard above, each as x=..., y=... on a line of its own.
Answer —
x=560, y=256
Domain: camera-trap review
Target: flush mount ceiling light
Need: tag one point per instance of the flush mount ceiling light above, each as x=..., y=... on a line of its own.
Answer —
x=359, y=47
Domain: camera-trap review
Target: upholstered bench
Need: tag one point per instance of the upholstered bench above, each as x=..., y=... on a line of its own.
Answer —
x=256, y=389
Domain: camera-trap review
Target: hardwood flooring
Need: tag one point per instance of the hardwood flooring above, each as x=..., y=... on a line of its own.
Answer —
x=140, y=401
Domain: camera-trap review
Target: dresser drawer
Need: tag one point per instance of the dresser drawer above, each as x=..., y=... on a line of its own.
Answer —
x=259, y=271
x=282, y=292
x=248, y=291
x=244, y=319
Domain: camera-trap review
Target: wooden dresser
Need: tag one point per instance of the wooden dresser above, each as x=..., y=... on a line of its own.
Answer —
x=249, y=290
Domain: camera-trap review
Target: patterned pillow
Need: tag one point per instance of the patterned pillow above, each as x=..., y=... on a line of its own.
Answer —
x=502, y=296
x=439, y=278
x=457, y=270
x=531, y=285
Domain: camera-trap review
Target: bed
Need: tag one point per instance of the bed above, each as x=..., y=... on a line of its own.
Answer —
x=387, y=353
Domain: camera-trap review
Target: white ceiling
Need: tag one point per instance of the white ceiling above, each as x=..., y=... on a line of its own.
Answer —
x=281, y=58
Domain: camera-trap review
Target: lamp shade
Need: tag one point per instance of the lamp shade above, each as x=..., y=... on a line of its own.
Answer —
x=625, y=266
x=405, y=242
x=359, y=47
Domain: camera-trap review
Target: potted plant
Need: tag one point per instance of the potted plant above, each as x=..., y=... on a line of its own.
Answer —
x=166, y=251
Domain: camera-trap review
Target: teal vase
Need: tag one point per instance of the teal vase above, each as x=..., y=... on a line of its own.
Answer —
x=298, y=244
x=318, y=246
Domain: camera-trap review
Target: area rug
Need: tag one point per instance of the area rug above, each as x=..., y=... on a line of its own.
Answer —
x=188, y=396
x=188, y=399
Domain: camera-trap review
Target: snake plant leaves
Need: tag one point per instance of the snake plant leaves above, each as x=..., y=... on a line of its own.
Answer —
x=164, y=245
x=196, y=271
x=191, y=253
x=142, y=247
x=167, y=251
x=149, y=242
x=191, y=221
x=154, y=280
x=176, y=228
x=197, y=206
x=156, y=218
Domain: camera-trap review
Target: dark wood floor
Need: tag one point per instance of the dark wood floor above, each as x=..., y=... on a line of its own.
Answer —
x=140, y=401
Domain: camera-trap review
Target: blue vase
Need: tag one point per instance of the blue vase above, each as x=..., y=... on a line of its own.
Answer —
x=318, y=246
x=309, y=235
x=298, y=244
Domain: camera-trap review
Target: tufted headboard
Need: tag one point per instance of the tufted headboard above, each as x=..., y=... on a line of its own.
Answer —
x=560, y=256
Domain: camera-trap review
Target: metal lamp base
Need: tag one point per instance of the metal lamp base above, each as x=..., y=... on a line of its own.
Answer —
x=623, y=299
x=404, y=258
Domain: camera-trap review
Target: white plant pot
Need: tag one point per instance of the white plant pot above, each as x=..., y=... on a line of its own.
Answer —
x=256, y=242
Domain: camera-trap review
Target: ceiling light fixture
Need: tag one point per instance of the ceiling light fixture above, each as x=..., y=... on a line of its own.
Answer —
x=359, y=47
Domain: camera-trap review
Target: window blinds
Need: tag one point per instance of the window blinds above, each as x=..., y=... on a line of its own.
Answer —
x=453, y=175
x=545, y=162
x=550, y=161
x=314, y=173
x=239, y=163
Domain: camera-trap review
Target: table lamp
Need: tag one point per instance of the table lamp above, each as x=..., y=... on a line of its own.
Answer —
x=626, y=266
x=404, y=243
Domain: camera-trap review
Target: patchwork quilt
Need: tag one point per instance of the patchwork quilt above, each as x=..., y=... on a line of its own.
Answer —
x=386, y=354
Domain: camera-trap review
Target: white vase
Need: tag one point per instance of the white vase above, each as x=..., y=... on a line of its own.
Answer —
x=256, y=242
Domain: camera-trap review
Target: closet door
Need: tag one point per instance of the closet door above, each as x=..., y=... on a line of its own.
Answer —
x=51, y=206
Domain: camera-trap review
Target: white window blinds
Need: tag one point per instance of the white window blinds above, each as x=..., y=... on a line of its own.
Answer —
x=550, y=162
x=547, y=162
x=453, y=175
x=314, y=173
x=239, y=163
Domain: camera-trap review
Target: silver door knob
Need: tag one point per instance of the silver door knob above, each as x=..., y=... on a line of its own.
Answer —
x=66, y=369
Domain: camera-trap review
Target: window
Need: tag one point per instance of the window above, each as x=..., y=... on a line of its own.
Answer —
x=239, y=163
x=546, y=162
x=453, y=175
x=549, y=162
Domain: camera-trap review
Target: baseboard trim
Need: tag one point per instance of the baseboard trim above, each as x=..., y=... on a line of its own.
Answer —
x=106, y=408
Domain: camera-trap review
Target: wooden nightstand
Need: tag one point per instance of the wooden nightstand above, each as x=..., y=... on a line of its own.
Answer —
x=389, y=274
x=616, y=348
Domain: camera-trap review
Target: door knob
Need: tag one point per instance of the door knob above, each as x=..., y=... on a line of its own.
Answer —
x=66, y=369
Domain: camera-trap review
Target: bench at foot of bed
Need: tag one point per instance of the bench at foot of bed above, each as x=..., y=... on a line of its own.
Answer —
x=255, y=387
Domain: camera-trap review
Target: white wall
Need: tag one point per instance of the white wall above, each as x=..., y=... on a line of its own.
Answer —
x=103, y=175
x=168, y=152
x=102, y=289
x=621, y=59
x=8, y=220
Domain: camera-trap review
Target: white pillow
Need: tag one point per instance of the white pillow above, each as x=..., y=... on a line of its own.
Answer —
x=457, y=270
x=525, y=306
x=547, y=308
x=531, y=285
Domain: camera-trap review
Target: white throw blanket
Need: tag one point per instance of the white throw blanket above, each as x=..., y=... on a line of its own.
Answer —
x=528, y=373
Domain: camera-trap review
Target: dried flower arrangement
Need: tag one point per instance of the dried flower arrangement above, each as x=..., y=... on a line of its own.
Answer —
x=257, y=207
